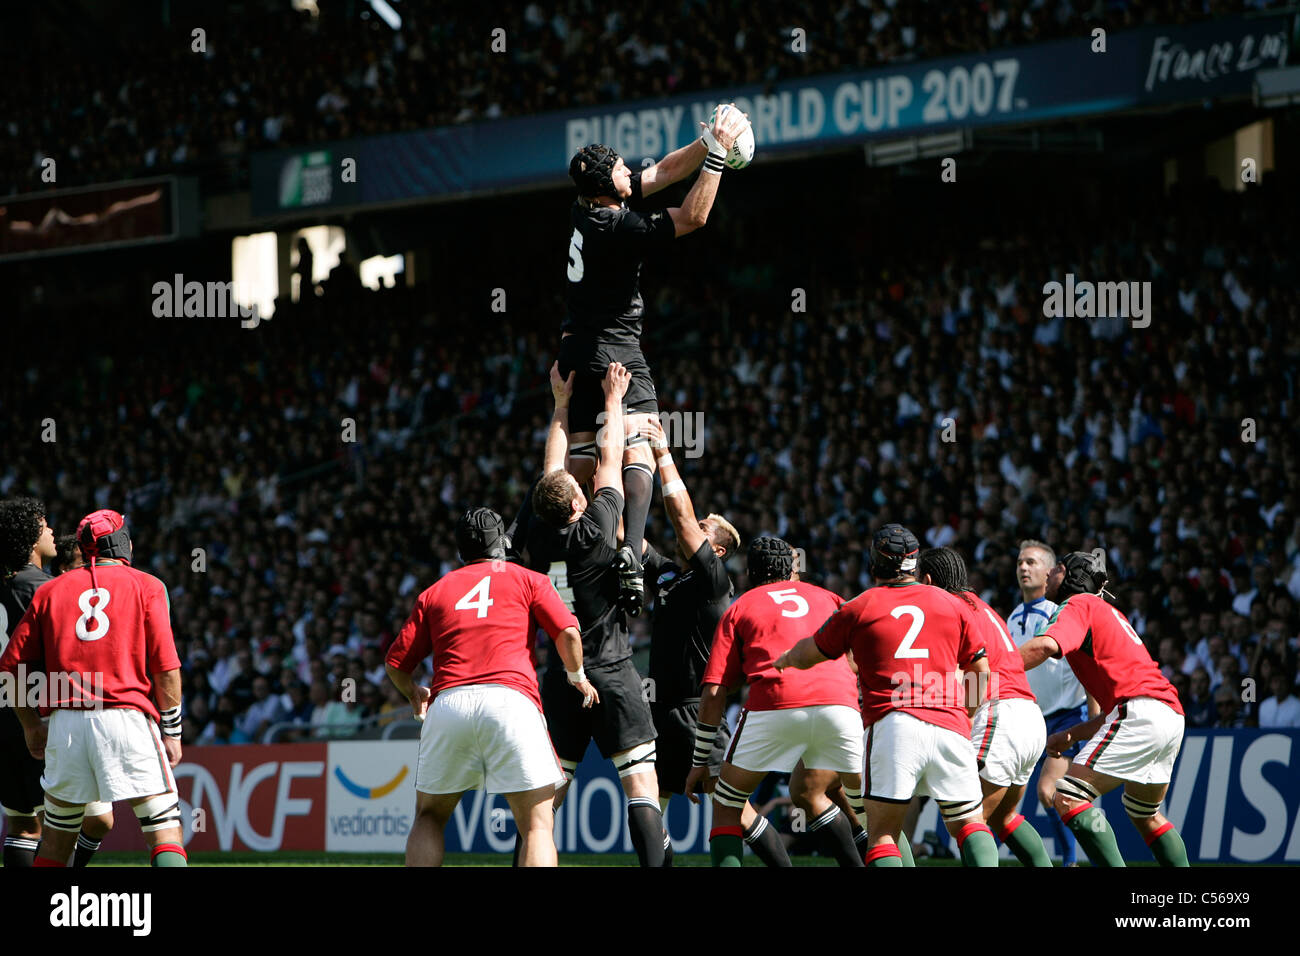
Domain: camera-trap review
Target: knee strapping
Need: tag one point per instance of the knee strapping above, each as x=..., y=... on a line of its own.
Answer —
x=728, y=796
x=1139, y=809
x=952, y=810
x=159, y=813
x=67, y=819
x=1077, y=789
x=586, y=449
x=640, y=759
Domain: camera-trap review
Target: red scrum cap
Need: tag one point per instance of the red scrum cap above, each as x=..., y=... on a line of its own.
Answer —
x=102, y=534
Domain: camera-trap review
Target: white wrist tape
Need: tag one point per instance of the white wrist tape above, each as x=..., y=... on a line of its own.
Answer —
x=171, y=721
x=576, y=677
x=673, y=487
x=665, y=460
x=704, y=737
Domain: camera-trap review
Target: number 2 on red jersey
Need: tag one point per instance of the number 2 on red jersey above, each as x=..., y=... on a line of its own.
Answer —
x=905, y=648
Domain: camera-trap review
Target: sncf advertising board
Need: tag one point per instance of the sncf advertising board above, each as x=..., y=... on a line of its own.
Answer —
x=1235, y=797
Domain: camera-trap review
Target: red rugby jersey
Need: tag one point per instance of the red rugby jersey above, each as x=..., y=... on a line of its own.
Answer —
x=1106, y=654
x=1009, y=680
x=759, y=627
x=909, y=641
x=478, y=623
x=113, y=639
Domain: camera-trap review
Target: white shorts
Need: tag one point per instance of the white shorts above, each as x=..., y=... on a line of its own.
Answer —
x=485, y=737
x=907, y=757
x=1009, y=738
x=1138, y=742
x=104, y=755
x=824, y=736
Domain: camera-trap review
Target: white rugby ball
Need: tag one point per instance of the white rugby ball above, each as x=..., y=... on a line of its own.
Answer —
x=742, y=150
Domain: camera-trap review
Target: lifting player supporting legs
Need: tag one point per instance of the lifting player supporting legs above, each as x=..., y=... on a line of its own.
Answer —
x=810, y=792
x=645, y=820
x=1076, y=795
x=638, y=489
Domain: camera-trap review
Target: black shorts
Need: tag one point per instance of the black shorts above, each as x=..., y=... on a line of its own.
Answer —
x=675, y=748
x=591, y=361
x=20, y=772
x=619, y=722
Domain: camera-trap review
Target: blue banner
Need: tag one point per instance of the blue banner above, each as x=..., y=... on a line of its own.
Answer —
x=1015, y=85
x=1235, y=798
x=592, y=820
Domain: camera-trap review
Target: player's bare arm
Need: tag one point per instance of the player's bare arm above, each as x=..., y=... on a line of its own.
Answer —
x=981, y=684
x=568, y=644
x=694, y=210
x=34, y=730
x=674, y=167
x=677, y=500
x=418, y=695
x=1060, y=742
x=610, y=439
x=713, y=704
x=167, y=695
x=802, y=656
x=680, y=163
x=1038, y=649
x=557, y=439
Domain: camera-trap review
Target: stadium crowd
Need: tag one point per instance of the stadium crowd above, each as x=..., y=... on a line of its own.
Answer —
x=926, y=388
x=144, y=101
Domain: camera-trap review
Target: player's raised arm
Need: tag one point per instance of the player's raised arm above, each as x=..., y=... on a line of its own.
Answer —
x=557, y=439
x=694, y=210
x=674, y=167
x=677, y=501
x=611, y=438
